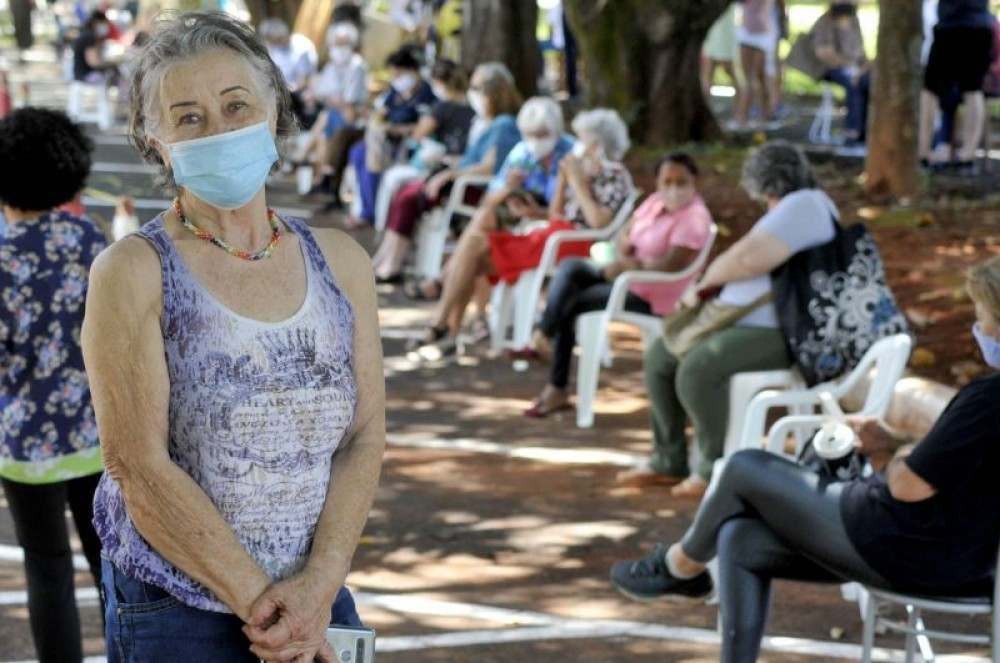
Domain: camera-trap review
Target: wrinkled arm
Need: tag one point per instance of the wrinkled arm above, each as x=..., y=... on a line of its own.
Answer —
x=756, y=254
x=906, y=485
x=675, y=260
x=124, y=355
x=358, y=462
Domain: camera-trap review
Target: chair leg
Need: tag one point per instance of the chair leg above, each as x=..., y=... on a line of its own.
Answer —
x=499, y=316
x=868, y=633
x=590, y=329
x=912, y=616
x=524, y=310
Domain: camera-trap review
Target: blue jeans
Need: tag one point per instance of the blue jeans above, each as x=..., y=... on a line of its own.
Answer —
x=857, y=98
x=146, y=624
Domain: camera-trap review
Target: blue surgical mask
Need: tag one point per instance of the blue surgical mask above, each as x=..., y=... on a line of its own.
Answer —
x=225, y=170
x=988, y=345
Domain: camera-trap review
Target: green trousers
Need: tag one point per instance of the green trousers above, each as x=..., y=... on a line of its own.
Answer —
x=697, y=387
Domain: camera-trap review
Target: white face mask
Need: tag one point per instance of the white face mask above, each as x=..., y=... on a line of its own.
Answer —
x=102, y=30
x=340, y=55
x=478, y=102
x=676, y=197
x=404, y=83
x=541, y=147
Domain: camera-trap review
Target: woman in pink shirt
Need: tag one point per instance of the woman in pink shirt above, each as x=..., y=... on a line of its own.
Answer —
x=664, y=234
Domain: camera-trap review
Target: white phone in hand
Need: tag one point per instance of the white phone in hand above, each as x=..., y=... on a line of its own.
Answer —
x=351, y=645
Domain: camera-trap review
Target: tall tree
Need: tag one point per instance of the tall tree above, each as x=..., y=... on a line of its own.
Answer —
x=891, y=168
x=642, y=58
x=503, y=31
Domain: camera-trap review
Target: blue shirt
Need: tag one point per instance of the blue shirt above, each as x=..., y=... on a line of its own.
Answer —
x=502, y=134
x=47, y=427
x=539, y=178
x=407, y=111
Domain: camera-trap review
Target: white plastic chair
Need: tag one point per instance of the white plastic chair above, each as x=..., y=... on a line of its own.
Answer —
x=915, y=630
x=514, y=306
x=432, y=232
x=820, y=129
x=593, y=328
x=100, y=109
x=887, y=356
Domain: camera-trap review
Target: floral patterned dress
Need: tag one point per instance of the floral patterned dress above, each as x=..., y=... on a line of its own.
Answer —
x=47, y=428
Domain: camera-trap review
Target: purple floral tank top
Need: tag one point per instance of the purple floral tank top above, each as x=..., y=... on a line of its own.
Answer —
x=257, y=411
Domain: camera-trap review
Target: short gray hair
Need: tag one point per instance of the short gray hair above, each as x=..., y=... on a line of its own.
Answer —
x=273, y=29
x=776, y=169
x=178, y=37
x=342, y=29
x=607, y=126
x=540, y=112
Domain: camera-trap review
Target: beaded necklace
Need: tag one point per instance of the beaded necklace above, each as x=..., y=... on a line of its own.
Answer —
x=266, y=252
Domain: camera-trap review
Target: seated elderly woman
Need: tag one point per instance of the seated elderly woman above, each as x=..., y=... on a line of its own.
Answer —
x=397, y=112
x=337, y=95
x=585, y=189
x=494, y=97
x=799, y=216
x=665, y=234
x=236, y=374
x=918, y=527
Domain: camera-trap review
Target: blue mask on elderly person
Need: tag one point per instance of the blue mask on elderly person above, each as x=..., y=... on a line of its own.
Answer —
x=225, y=170
x=988, y=345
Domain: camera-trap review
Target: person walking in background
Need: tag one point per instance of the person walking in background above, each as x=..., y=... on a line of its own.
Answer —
x=720, y=51
x=757, y=36
x=50, y=456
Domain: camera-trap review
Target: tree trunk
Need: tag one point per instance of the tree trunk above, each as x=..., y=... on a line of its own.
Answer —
x=642, y=58
x=891, y=169
x=503, y=31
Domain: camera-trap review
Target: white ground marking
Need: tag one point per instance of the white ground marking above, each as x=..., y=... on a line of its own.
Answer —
x=117, y=167
x=534, y=626
x=162, y=204
x=16, y=554
x=555, y=456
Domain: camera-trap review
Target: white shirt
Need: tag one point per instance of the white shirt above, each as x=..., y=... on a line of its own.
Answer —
x=297, y=62
x=347, y=84
x=802, y=220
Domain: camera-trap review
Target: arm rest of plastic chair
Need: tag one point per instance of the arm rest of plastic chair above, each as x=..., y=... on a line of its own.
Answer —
x=456, y=200
x=756, y=414
x=619, y=291
x=797, y=423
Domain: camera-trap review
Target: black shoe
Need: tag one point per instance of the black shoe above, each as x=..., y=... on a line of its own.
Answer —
x=648, y=579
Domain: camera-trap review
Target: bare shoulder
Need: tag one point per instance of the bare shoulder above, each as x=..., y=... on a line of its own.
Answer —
x=126, y=275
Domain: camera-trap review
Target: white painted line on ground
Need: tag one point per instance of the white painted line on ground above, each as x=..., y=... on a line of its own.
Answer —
x=555, y=456
x=110, y=139
x=16, y=554
x=542, y=626
x=162, y=204
x=116, y=167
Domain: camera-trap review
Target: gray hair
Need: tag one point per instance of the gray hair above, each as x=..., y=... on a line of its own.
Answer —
x=273, y=29
x=776, y=169
x=342, y=29
x=179, y=37
x=607, y=126
x=539, y=113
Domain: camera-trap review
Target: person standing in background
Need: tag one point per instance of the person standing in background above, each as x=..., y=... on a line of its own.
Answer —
x=49, y=450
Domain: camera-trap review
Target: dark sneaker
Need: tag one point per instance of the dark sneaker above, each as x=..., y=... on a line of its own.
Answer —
x=648, y=579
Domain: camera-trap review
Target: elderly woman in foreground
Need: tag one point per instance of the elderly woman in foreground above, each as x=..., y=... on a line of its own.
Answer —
x=237, y=379
x=920, y=526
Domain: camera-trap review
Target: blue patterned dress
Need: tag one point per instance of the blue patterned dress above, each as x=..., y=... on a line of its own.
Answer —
x=47, y=427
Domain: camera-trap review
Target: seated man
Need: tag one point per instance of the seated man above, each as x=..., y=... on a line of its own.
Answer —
x=295, y=56
x=839, y=45
x=89, y=63
x=926, y=525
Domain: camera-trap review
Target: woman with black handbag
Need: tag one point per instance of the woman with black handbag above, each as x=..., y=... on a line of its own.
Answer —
x=728, y=323
x=926, y=525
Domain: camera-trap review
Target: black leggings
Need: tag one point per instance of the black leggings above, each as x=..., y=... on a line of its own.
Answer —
x=767, y=517
x=39, y=513
x=578, y=287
